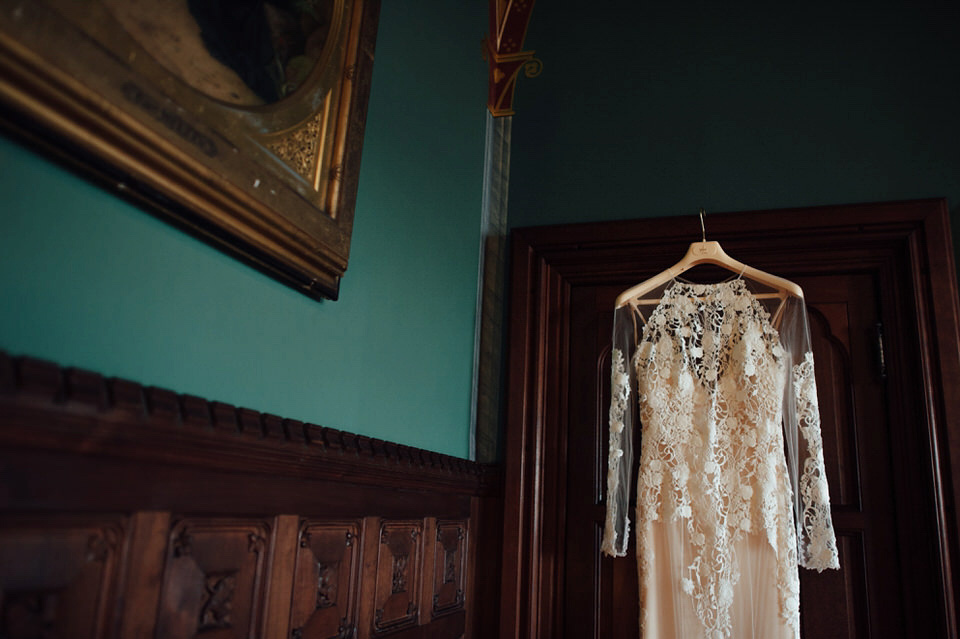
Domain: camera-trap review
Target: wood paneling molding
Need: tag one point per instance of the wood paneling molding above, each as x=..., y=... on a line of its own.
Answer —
x=122, y=419
x=169, y=515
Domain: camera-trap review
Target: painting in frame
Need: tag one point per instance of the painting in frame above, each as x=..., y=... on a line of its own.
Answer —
x=240, y=121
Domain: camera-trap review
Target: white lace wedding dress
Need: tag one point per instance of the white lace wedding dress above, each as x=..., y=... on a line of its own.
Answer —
x=731, y=489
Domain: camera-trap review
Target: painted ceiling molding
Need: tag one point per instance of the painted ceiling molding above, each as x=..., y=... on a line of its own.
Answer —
x=504, y=52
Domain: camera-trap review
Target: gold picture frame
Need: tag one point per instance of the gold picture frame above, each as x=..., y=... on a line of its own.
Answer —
x=155, y=105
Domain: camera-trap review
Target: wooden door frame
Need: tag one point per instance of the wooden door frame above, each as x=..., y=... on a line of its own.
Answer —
x=548, y=261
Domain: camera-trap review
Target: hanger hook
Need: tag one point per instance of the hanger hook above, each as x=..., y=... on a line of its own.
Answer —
x=703, y=229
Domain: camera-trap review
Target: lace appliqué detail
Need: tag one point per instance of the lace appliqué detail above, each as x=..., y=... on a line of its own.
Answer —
x=817, y=540
x=711, y=374
x=614, y=544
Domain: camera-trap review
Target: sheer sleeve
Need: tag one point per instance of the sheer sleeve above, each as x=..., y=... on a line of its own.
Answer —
x=622, y=421
x=817, y=545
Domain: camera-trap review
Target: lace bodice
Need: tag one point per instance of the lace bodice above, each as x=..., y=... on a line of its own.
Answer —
x=730, y=442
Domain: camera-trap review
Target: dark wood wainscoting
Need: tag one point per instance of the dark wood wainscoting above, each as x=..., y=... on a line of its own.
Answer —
x=130, y=512
x=880, y=285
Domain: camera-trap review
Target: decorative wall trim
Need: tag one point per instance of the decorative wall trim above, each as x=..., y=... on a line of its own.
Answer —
x=505, y=55
x=171, y=515
x=118, y=417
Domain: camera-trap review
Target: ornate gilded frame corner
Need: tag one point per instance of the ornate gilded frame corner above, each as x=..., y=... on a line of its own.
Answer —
x=273, y=184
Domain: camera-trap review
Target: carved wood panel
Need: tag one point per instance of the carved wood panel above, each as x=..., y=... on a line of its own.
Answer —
x=449, y=567
x=213, y=583
x=58, y=575
x=397, y=598
x=325, y=581
x=202, y=520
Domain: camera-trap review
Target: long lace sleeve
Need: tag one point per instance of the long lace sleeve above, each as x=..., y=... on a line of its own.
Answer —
x=622, y=418
x=817, y=544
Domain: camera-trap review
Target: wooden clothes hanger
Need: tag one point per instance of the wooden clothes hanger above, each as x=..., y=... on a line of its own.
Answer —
x=705, y=252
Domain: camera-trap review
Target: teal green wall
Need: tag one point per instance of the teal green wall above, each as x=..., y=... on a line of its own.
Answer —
x=666, y=107
x=87, y=280
x=655, y=112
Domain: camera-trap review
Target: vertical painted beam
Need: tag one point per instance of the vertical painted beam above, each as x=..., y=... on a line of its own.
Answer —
x=488, y=338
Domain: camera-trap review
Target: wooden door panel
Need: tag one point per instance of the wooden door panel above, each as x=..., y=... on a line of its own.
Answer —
x=830, y=334
x=450, y=556
x=589, y=362
x=843, y=310
x=214, y=577
x=833, y=603
x=397, y=598
x=858, y=449
x=555, y=585
x=325, y=580
x=58, y=575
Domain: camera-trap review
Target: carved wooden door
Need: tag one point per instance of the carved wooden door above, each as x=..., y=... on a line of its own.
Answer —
x=878, y=384
x=866, y=598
